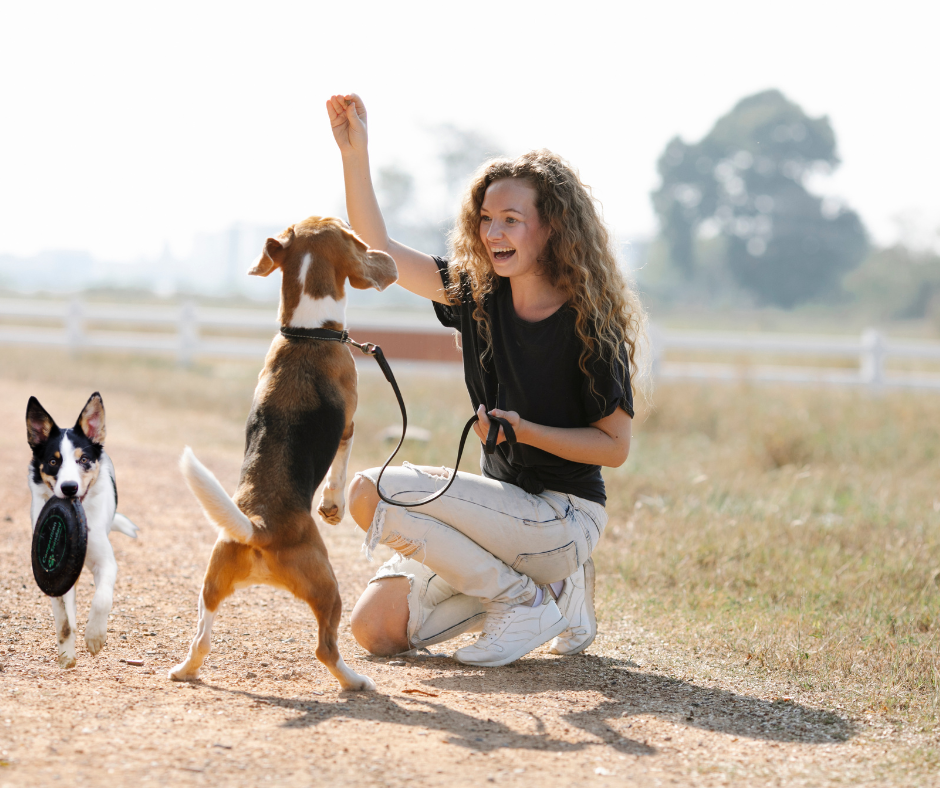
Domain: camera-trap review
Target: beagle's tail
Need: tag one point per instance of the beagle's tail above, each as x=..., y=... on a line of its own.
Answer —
x=216, y=503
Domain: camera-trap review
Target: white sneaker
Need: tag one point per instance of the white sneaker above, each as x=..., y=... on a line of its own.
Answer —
x=510, y=632
x=576, y=603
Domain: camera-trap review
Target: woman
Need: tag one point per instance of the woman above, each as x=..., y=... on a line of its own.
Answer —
x=549, y=330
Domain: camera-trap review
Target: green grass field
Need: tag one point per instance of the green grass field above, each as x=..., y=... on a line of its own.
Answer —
x=792, y=532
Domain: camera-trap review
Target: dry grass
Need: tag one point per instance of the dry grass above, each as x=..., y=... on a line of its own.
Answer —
x=791, y=530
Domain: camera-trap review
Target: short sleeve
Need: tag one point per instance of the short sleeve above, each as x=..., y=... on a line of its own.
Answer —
x=447, y=314
x=611, y=388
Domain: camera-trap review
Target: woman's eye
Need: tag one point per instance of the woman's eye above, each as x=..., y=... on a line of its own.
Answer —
x=510, y=220
x=484, y=218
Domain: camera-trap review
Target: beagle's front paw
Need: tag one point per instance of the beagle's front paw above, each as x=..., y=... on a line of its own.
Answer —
x=332, y=506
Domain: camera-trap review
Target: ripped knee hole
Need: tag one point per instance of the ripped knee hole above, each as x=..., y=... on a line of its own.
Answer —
x=403, y=545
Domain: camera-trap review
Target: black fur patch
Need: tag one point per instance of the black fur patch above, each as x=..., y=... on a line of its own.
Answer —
x=304, y=442
x=45, y=460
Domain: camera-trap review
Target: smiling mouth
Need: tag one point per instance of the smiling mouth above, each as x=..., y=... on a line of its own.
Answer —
x=503, y=254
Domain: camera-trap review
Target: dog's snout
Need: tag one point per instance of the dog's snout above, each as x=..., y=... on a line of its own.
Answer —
x=69, y=489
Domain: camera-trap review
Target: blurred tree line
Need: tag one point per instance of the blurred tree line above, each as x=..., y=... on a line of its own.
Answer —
x=735, y=207
x=739, y=223
x=898, y=283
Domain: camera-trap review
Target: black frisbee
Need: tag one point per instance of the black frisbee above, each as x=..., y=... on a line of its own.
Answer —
x=59, y=543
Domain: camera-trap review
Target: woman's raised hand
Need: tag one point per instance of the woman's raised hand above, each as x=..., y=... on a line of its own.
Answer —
x=348, y=119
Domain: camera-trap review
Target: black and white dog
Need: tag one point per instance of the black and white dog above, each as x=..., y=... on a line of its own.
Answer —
x=72, y=463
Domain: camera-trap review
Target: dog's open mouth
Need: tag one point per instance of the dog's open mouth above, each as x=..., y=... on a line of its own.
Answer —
x=503, y=254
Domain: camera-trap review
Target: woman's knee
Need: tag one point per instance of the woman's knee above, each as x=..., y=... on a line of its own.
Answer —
x=363, y=500
x=379, y=621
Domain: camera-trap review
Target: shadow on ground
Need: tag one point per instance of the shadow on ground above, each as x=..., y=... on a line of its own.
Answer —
x=627, y=693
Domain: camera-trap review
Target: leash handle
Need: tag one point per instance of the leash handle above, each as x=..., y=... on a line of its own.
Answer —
x=495, y=423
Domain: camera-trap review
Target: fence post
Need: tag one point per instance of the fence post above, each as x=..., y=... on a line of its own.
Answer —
x=873, y=359
x=188, y=334
x=75, y=325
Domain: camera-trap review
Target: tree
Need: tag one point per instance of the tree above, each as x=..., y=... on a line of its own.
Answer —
x=746, y=181
x=898, y=283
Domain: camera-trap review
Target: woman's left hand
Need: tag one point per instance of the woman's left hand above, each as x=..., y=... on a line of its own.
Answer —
x=482, y=427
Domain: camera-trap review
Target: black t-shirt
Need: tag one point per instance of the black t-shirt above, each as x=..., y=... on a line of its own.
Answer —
x=535, y=366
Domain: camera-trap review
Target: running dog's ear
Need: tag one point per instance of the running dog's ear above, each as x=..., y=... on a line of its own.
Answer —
x=272, y=256
x=39, y=424
x=91, y=421
x=369, y=267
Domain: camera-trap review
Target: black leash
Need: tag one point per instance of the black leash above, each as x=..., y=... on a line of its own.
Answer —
x=371, y=349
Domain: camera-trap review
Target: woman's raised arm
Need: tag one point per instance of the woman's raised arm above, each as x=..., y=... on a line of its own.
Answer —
x=417, y=271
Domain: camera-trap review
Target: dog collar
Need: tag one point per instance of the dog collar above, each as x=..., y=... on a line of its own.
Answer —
x=327, y=334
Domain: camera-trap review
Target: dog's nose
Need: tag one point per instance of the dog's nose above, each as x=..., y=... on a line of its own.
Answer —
x=69, y=488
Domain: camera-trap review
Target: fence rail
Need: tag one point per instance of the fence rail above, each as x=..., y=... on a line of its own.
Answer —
x=871, y=352
x=188, y=331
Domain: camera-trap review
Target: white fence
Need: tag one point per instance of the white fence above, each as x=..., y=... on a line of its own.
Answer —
x=179, y=330
x=187, y=331
x=870, y=353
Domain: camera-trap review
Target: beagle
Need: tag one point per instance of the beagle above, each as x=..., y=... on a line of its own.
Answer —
x=299, y=430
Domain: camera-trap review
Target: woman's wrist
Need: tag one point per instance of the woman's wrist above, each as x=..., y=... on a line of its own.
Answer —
x=355, y=157
x=524, y=432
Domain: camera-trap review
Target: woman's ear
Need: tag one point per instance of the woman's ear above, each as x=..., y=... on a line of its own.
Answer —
x=275, y=249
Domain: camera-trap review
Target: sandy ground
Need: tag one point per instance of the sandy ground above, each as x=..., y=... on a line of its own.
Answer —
x=630, y=712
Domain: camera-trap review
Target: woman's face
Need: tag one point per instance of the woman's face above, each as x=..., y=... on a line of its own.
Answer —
x=510, y=228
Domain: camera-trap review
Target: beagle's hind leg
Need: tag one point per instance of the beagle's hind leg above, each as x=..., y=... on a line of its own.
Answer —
x=230, y=564
x=313, y=581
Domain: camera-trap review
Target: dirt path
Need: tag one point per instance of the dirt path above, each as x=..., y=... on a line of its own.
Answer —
x=630, y=712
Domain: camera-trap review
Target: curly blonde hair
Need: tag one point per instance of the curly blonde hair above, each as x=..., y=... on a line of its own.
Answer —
x=578, y=258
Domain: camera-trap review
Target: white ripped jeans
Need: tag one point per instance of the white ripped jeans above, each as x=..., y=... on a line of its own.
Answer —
x=484, y=540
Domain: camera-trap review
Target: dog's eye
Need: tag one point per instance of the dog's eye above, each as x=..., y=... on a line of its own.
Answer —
x=85, y=461
x=53, y=463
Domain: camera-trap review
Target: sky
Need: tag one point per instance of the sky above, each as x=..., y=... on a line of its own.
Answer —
x=129, y=128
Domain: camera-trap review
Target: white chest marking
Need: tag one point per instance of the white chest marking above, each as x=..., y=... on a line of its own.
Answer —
x=314, y=312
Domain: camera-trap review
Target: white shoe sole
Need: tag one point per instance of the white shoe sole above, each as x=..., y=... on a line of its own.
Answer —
x=520, y=651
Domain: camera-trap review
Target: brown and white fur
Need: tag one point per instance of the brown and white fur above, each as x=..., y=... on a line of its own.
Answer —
x=72, y=464
x=299, y=431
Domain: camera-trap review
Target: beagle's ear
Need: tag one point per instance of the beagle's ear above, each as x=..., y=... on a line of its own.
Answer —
x=273, y=253
x=39, y=424
x=369, y=267
x=91, y=420
x=376, y=269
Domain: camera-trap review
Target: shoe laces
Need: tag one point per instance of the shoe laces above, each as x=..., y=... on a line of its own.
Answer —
x=494, y=624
